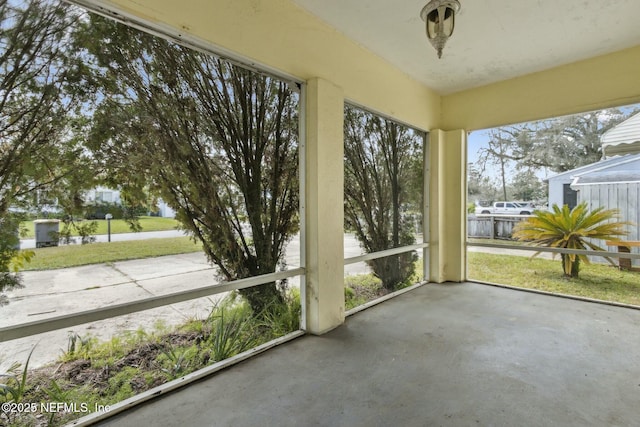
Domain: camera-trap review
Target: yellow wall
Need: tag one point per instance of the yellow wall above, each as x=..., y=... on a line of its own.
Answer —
x=278, y=34
x=284, y=37
x=606, y=81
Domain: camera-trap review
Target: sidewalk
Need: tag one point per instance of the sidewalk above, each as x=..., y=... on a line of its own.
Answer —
x=58, y=292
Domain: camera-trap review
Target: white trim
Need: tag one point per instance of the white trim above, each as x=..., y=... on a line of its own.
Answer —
x=22, y=330
x=386, y=116
x=426, y=217
x=302, y=196
x=555, y=294
x=385, y=253
x=604, y=254
x=578, y=184
x=382, y=299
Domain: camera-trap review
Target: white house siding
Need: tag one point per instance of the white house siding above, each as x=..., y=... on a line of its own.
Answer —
x=620, y=163
x=556, y=190
x=165, y=210
x=622, y=196
x=103, y=194
x=623, y=138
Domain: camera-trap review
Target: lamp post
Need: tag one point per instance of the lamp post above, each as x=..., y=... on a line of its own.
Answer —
x=439, y=17
x=108, y=218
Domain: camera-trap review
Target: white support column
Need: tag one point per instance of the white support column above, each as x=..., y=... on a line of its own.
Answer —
x=447, y=205
x=324, y=214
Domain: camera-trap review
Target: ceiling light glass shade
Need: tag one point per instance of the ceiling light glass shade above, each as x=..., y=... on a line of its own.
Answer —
x=439, y=17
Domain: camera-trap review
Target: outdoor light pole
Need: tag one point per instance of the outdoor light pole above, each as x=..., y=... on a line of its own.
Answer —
x=108, y=218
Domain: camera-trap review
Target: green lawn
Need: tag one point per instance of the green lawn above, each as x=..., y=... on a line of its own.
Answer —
x=95, y=253
x=148, y=223
x=598, y=281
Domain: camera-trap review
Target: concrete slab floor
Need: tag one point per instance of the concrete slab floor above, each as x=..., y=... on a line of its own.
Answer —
x=441, y=355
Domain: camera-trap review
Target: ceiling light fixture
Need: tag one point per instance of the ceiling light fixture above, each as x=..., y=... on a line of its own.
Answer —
x=439, y=17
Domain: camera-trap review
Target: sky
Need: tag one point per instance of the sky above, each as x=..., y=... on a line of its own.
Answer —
x=477, y=140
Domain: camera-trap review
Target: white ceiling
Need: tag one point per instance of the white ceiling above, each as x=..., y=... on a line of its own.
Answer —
x=493, y=39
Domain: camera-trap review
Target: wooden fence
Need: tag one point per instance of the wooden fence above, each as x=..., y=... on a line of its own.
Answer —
x=492, y=226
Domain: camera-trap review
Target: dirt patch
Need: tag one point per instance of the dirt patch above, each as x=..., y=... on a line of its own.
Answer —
x=368, y=292
x=47, y=382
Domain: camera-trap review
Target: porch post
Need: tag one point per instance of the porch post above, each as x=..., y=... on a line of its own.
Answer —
x=447, y=205
x=324, y=216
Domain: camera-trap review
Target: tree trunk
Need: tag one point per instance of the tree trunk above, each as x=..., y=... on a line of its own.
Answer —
x=572, y=269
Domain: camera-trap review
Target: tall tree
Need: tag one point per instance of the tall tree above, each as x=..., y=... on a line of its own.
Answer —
x=33, y=112
x=568, y=142
x=500, y=151
x=37, y=150
x=479, y=185
x=219, y=143
x=525, y=185
x=383, y=164
x=559, y=144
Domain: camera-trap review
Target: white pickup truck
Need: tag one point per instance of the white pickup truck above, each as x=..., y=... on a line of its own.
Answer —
x=506, y=208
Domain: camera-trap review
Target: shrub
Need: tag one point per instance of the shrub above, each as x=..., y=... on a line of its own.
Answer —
x=12, y=260
x=571, y=229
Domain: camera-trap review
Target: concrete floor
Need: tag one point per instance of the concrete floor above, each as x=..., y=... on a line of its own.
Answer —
x=440, y=355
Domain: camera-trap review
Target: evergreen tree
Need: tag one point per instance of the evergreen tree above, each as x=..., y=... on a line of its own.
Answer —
x=383, y=184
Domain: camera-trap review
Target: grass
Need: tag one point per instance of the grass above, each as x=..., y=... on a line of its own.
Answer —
x=498, y=241
x=96, y=253
x=107, y=372
x=361, y=288
x=598, y=281
x=118, y=226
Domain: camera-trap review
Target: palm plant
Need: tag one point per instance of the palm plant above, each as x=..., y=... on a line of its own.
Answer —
x=571, y=229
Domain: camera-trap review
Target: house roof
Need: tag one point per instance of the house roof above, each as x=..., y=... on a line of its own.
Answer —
x=623, y=138
x=597, y=166
x=607, y=177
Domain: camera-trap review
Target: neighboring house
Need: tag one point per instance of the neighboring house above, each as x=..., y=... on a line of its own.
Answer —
x=102, y=195
x=614, y=188
x=49, y=205
x=561, y=191
x=613, y=183
x=164, y=210
x=108, y=195
x=620, y=152
x=622, y=139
